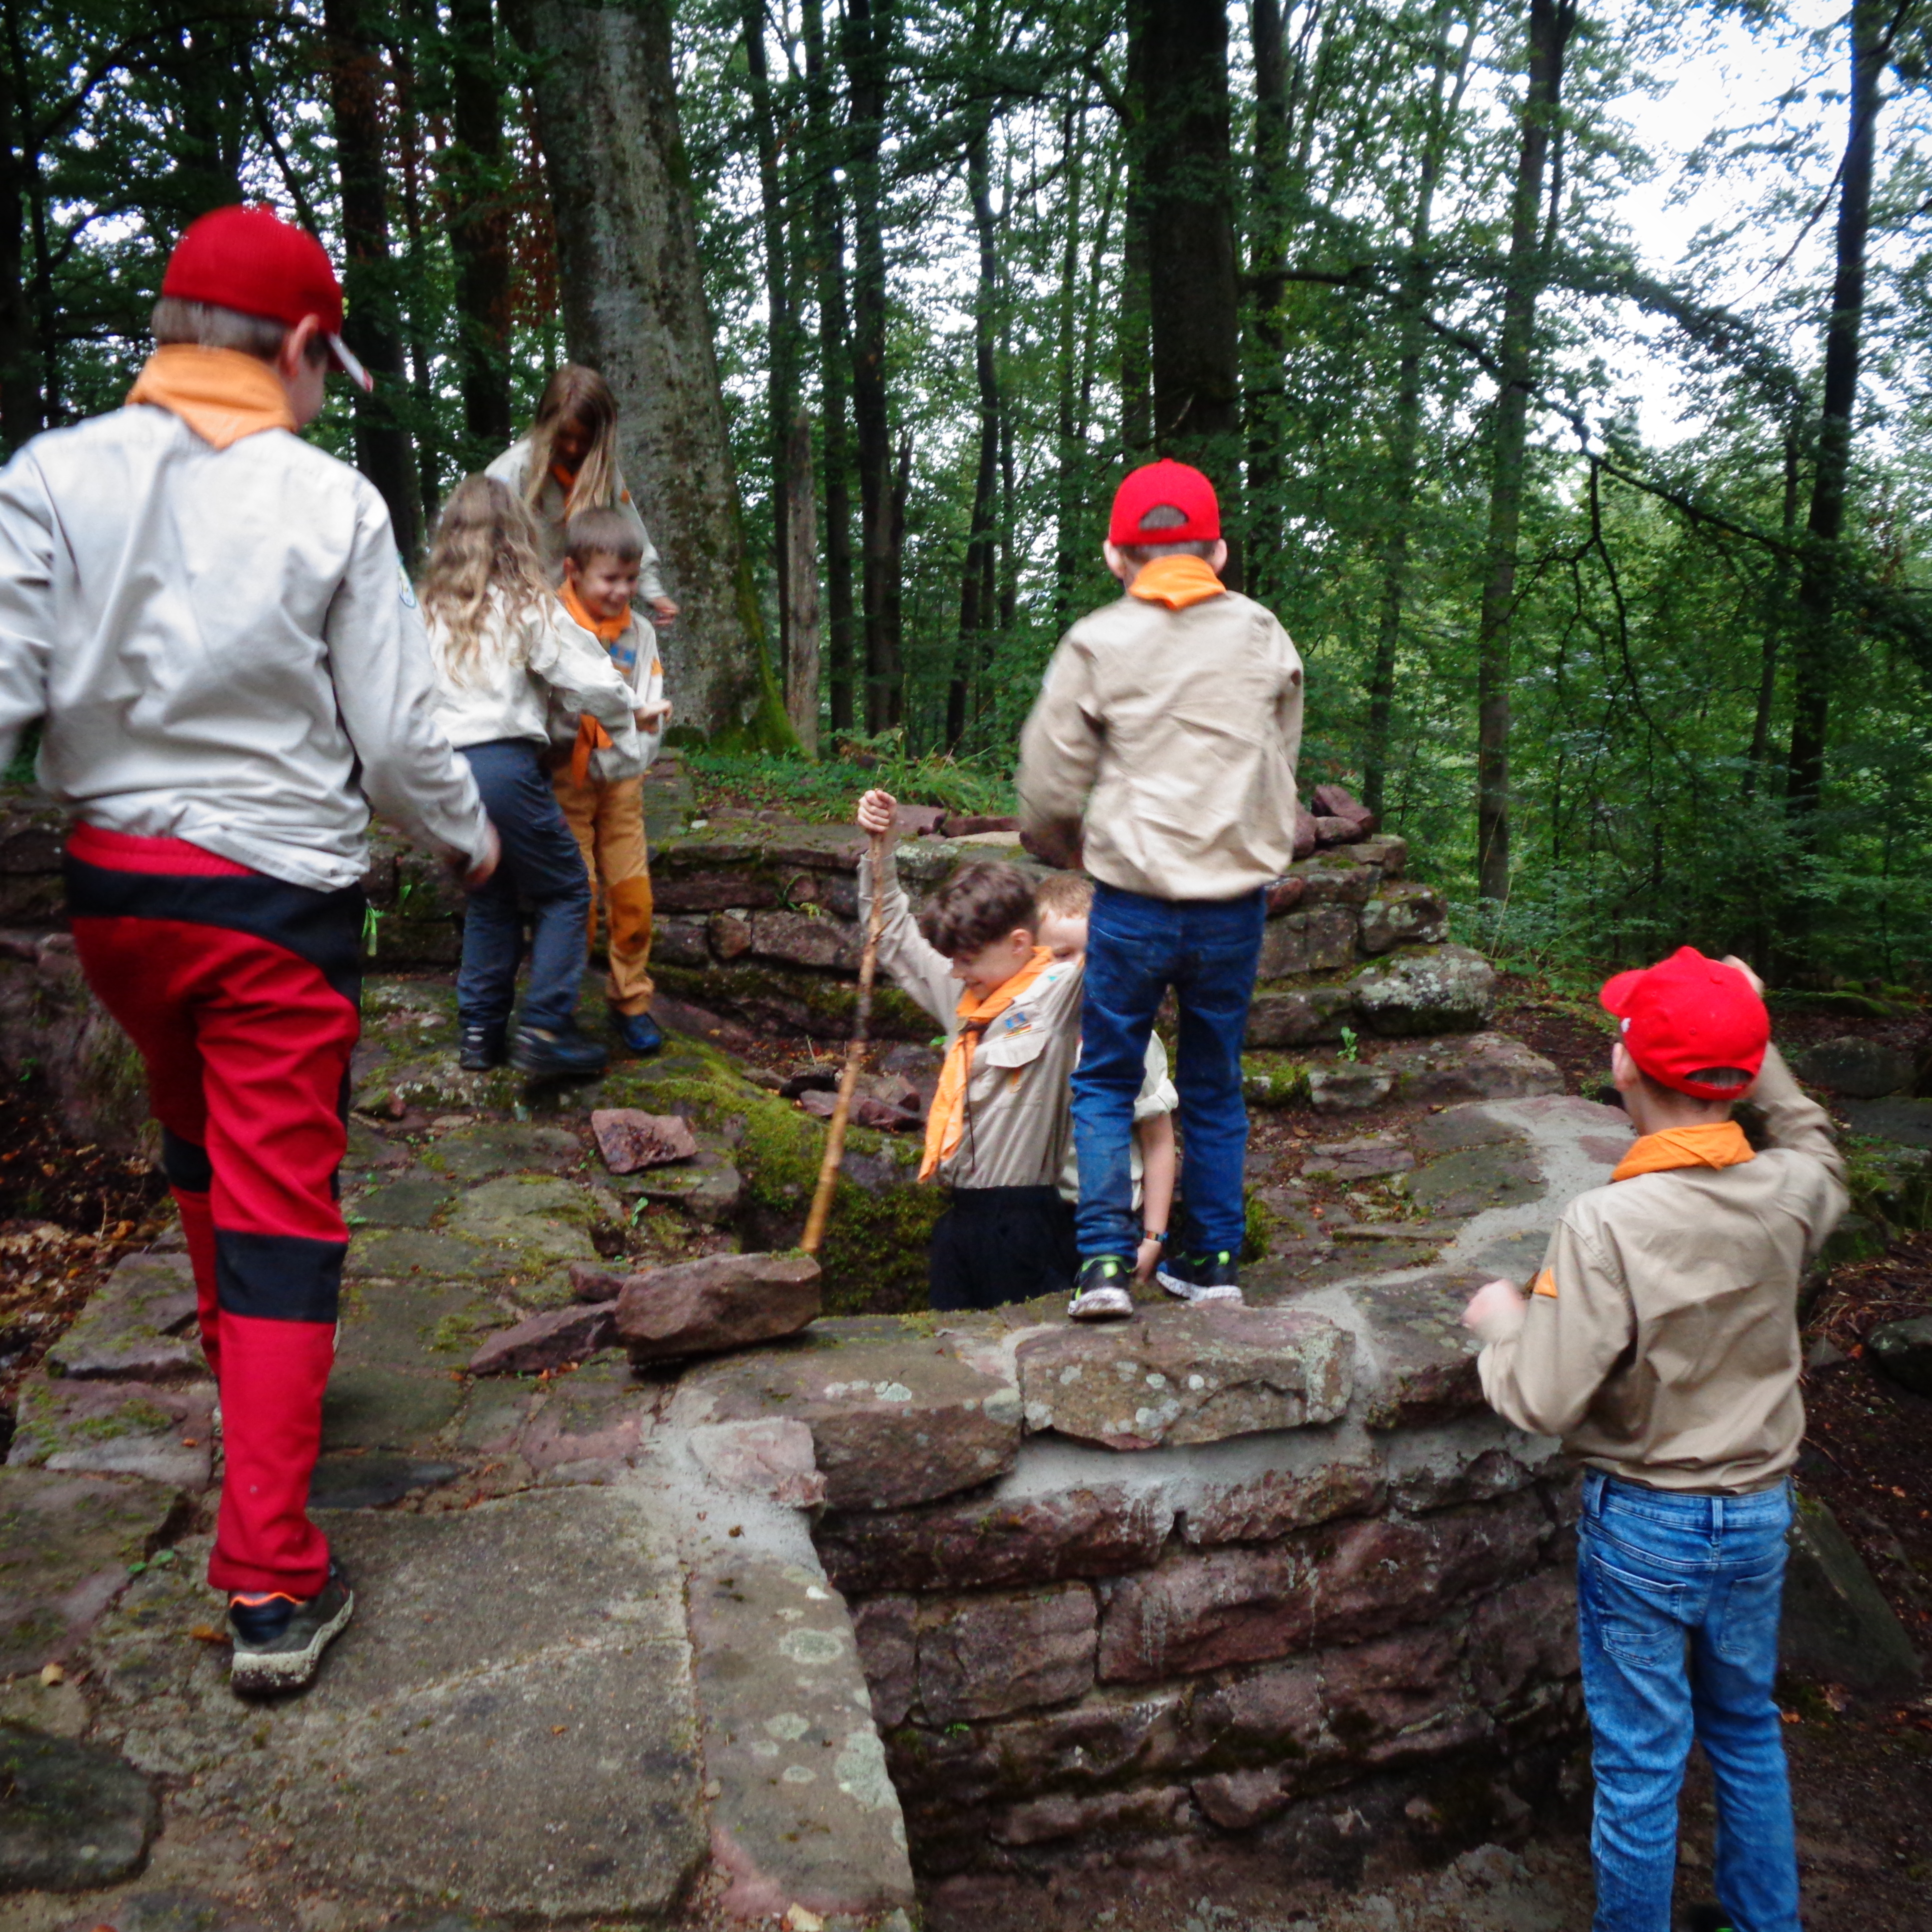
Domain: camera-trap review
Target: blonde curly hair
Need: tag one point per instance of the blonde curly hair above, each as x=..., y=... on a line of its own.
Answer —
x=486, y=550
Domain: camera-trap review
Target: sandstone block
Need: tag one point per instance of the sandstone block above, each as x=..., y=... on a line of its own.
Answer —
x=893, y=1423
x=866, y=1110
x=799, y=940
x=1238, y=1800
x=140, y=1325
x=1469, y=1067
x=1522, y=1637
x=1403, y=913
x=1274, y=1502
x=1285, y=894
x=1441, y=989
x=680, y=941
x=1027, y=1539
x=717, y=1302
x=773, y=1459
x=1424, y=1359
x=1335, y=801
x=1503, y=1175
x=708, y=1187
x=1108, y=1814
x=991, y=1655
x=1206, y=1608
x=887, y=1631
x=711, y=888
x=1306, y=836
x=1349, y=1086
x=76, y=1817
x=1314, y=939
x=1403, y=1692
x=1331, y=831
x=630, y=1139
x=1332, y=878
x=552, y=1341
x=1385, y=851
x=1190, y=1375
x=1837, y=1624
x=729, y=933
x=1861, y=1070
x=160, y=1430
x=1274, y=1711
x=1373, y=1159
x=1298, y=1016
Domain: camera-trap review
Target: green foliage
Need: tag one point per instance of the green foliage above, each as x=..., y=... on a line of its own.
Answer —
x=829, y=789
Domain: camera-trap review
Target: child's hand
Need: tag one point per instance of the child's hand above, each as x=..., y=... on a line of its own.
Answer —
x=1147, y=1258
x=473, y=877
x=663, y=613
x=653, y=717
x=1494, y=1301
x=876, y=812
x=1750, y=978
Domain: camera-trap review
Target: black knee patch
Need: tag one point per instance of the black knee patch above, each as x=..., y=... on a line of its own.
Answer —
x=186, y=1164
x=278, y=1277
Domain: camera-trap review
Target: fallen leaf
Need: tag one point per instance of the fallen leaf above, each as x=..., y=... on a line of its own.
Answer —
x=208, y=1633
x=800, y=1920
x=51, y=1674
x=737, y=1529
x=558, y=1730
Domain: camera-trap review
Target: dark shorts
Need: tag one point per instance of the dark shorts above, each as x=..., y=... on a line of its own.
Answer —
x=999, y=1244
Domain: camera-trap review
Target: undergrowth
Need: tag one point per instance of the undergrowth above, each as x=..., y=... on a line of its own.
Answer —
x=826, y=789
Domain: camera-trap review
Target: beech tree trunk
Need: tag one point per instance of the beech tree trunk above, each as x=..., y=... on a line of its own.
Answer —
x=19, y=366
x=801, y=589
x=479, y=231
x=978, y=601
x=373, y=329
x=633, y=300
x=1551, y=23
x=1136, y=367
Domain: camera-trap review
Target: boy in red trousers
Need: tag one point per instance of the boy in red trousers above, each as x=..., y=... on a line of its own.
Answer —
x=210, y=618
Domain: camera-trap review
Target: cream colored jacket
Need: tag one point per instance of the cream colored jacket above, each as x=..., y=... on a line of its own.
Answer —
x=1174, y=734
x=1661, y=1342
x=1019, y=1118
x=513, y=467
x=633, y=659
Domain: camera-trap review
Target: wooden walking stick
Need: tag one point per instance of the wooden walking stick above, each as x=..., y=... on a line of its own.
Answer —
x=855, y=1053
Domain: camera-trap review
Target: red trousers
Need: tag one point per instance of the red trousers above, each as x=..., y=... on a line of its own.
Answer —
x=240, y=992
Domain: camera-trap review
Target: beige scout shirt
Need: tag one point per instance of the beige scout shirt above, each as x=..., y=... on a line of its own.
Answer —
x=1668, y=1352
x=513, y=468
x=1184, y=725
x=1019, y=1121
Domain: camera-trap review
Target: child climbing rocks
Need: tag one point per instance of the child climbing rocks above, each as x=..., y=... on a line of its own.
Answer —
x=603, y=798
x=504, y=650
x=1168, y=725
x=209, y=615
x=998, y=1131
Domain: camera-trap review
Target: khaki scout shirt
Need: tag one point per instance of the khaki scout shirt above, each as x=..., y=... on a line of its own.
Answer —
x=1661, y=1342
x=1184, y=726
x=1019, y=1121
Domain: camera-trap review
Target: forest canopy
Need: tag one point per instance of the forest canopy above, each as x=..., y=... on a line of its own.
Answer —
x=1598, y=530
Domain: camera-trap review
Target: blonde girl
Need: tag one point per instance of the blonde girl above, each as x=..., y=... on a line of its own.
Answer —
x=567, y=463
x=501, y=645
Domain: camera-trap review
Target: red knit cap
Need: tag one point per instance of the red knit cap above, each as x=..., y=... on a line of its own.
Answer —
x=1165, y=485
x=250, y=260
x=1689, y=1015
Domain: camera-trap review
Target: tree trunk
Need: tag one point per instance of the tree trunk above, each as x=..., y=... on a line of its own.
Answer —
x=479, y=231
x=1551, y=23
x=1067, y=465
x=1136, y=366
x=1405, y=432
x=19, y=368
x=834, y=366
x=420, y=330
x=633, y=298
x=1193, y=283
x=867, y=31
x=1777, y=616
x=801, y=585
x=382, y=451
x=976, y=594
x=1818, y=583
x=1268, y=217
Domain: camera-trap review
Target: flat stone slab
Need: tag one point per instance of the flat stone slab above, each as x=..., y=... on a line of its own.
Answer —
x=1461, y=1184
x=1475, y=1066
x=374, y=1407
x=66, y=1542
x=1418, y=1363
x=494, y=1147
x=368, y=1482
x=506, y=1728
x=396, y=1253
x=1366, y=1160
x=1197, y=1374
x=412, y=1324
x=1908, y=1122
x=715, y=1302
x=411, y=1202
x=893, y=1422
x=542, y=1221
x=162, y=1430
x=139, y=1325
x=552, y=1340
x=72, y=1817
x=708, y=1187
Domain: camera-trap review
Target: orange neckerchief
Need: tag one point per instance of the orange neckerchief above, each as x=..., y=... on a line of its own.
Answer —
x=946, y=1122
x=1177, y=582
x=220, y=394
x=564, y=478
x=591, y=736
x=1718, y=1144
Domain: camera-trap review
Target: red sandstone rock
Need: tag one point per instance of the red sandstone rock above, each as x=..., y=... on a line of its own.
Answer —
x=1404, y=913
x=1198, y=1612
x=885, y=1628
x=989, y=1654
x=965, y=824
x=1522, y=1637
x=1316, y=939
x=1285, y=894
x=1114, y=1814
x=1372, y=1693
x=1278, y=1501
x=865, y=1111
x=551, y=1341
x=771, y=1458
x=717, y=1302
x=915, y=821
x=799, y=940
x=1334, y=801
x=630, y=1139
x=1335, y=831
x=1306, y=836
x=1238, y=1800
x=729, y=933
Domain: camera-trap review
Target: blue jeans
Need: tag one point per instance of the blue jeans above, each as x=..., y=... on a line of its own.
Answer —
x=1678, y=1598
x=1137, y=947
x=541, y=870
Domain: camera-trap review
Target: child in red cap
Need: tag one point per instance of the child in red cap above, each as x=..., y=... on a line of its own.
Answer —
x=1660, y=1341
x=1166, y=732
x=210, y=617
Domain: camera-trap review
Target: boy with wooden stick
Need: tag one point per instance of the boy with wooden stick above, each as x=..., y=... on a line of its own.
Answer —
x=1168, y=726
x=997, y=1133
x=1660, y=1341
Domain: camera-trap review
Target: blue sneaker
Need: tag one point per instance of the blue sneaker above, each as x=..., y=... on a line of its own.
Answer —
x=638, y=1031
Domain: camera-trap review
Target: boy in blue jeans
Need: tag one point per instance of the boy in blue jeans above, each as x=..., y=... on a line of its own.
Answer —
x=1660, y=1341
x=1178, y=709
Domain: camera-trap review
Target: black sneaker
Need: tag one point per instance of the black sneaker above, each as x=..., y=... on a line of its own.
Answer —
x=1100, y=1292
x=479, y=1049
x=557, y=1056
x=1201, y=1279
x=279, y=1640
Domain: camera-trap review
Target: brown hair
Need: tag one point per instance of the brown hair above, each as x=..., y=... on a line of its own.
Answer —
x=602, y=533
x=576, y=394
x=1164, y=517
x=1063, y=896
x=486, y=545
x=983, y=901
x=207, y=326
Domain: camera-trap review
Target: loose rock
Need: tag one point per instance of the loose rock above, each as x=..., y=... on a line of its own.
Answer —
x=1902, y=1351
x=73, y=1817
x=1443, y=989
x=718, y=1302
x=138, y=1326
x=552, y=1341
x=629, y=1139
x=1861, y=1070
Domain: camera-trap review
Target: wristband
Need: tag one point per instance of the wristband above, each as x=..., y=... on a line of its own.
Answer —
x=1149, y=1234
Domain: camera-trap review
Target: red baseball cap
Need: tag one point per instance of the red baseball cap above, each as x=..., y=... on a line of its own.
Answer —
x=1165, y=485
x=252, y=261
x=1688, y=1015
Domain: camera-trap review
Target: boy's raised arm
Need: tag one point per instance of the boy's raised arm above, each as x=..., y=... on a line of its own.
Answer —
x=1059, y=754
x=923, y=972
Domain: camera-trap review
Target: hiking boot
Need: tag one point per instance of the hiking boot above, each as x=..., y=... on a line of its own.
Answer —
x=558, y=1055
x=1201, y=1279
x=1100, y=1292
x=479, y=1049
x=638, y=1031
x=279, y=1640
